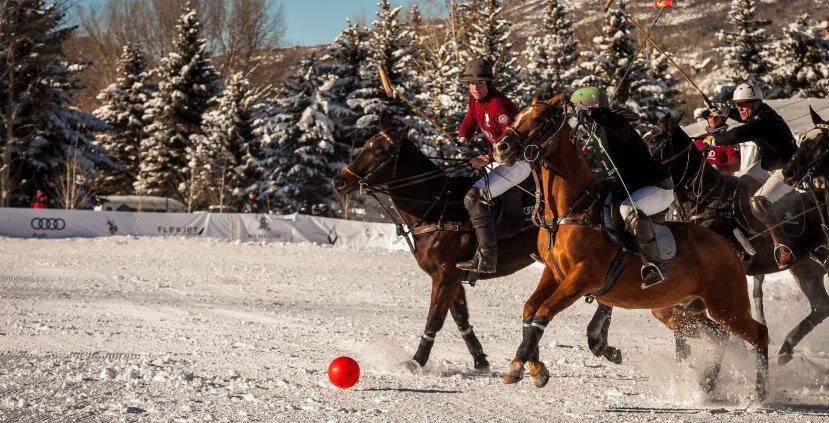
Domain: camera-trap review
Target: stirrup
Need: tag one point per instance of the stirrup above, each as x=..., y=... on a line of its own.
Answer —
x=782, y=248
x=819, y=259
x=645, y=283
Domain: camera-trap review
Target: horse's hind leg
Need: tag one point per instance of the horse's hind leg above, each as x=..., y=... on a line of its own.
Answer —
x=460, y=313
x=444, y=287
x=597, y=335
x=759, y=310
x=809, y=277
x=732, y=311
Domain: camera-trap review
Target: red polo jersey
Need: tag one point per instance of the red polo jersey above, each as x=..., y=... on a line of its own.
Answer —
x=492, y=114
x=726, y=158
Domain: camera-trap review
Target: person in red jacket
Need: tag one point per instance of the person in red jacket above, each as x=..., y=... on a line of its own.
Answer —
x=725, y=158
x=491, y=112
x=41, y=200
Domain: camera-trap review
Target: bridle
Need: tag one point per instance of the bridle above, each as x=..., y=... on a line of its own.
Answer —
x=528, y=145
x=809, y=166
x=392, y=158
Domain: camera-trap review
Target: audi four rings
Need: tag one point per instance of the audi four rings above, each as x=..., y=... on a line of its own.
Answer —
x=48, y=224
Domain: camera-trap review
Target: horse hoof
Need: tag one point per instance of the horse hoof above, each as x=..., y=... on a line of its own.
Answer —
x=786, y=354
x=614, y=355
x=481, y=364
x=540, y=374
x=412, y=366
x=514, y=372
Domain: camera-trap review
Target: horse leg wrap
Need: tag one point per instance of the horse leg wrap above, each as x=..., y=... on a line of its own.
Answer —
x=427, y=340
x=471, y=341
x=526, y=329
x=529, y=345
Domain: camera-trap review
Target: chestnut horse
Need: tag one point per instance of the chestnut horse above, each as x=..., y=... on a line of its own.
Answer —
x=705, y=270
x=720, y=203
x=428, y=201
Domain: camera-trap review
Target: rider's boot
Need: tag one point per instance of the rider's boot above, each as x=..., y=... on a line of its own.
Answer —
x=486, y=258
x=764, y=211
x=653, y=271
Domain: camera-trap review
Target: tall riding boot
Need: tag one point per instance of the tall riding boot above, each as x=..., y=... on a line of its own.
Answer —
x=764, y=211
x=653, y=271
x=486, y=258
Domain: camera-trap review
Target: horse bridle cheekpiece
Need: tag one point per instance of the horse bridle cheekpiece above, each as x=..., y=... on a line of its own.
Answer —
x=363, y=180
x=810, y=166
x=529, y=150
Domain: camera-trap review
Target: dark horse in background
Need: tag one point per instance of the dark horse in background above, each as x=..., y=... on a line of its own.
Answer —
x=720, y=203
x=428, y=201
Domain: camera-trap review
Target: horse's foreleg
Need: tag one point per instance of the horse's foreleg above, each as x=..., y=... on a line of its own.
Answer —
x=597, y=331
x=759, y=312
x=561, y=298
x=460, y=313
x=443, y=290
x=810, y=280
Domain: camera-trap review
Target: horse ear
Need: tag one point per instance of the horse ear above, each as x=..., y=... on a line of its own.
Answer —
x=816, y=119
x=537, y=96
x=385, y=122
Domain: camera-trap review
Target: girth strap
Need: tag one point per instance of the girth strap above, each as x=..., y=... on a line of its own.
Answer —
x=434, y=227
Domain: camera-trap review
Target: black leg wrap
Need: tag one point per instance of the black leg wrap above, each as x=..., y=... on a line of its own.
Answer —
x=526, y=332
x=472, y=342
x=532, y=334
x=425, y=348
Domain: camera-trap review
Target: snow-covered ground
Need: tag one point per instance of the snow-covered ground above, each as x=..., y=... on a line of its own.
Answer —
x=126, y=329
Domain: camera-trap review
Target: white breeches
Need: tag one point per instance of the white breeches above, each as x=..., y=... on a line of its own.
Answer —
x=502, y=178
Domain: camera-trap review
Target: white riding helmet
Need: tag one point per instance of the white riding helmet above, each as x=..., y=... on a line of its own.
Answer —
x=747, y=92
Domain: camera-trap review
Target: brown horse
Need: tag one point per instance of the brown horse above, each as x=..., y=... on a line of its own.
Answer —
x=428, y=201
x=812, y=156
x=705, y=270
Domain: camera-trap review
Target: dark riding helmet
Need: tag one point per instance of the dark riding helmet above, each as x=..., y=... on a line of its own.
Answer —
x=477, y=70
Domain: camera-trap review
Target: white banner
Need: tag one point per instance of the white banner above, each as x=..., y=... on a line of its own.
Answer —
x=54, y=223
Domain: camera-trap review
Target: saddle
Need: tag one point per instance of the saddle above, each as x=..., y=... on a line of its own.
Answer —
x=614, y=227
x=513, y=209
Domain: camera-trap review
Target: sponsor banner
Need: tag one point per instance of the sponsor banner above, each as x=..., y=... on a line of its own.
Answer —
x=54, y=223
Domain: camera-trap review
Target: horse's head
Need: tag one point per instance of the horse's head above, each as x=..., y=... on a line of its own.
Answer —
x=661, y=138
x=376, y=161
x=527, y=134
x=811, y=157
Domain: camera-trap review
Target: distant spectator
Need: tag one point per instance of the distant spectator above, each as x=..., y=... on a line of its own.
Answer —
x=252, y=204
x=41, y=200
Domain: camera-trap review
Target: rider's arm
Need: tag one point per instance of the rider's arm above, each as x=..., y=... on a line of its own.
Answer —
x=752, y=130
x=468, y=126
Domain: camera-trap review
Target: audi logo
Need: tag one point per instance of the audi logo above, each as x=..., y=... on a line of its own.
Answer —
x=48, y=224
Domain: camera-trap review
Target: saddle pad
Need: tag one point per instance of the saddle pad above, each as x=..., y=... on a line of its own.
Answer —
x=665, y=240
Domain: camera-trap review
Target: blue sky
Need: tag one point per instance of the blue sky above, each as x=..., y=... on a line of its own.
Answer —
x=313, y=22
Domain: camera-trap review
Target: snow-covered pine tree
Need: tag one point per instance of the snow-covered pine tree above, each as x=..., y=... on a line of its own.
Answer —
x=490, y=39
x=655, y=93
x=123, y=109
x=299, y=150
x=391, y=48
x=615, y=48
x=551, y=56
x=188, y=83
x=46, y=142
x=801, y=60
x=744, y=47
x=228, y=150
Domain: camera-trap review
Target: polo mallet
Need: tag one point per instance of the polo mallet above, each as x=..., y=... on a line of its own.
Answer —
x=667, y=56
x=384, y=79
x=635, y=55
x=746, y=241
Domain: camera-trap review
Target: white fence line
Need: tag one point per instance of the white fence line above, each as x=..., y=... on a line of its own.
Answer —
x=55, y=223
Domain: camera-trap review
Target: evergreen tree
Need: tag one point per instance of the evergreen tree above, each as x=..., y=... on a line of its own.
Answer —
x=299, y=149
x=551, y=57
x=655, y=93
x=187, y=86
x=802, y=61
x=390, y=48
x=490, y=39
x=228, y=150
x=123, y=109
x=46, y=142
x=615, y=48
x=744, y=47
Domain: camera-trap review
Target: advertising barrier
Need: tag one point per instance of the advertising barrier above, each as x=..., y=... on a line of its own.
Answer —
x=54, y=223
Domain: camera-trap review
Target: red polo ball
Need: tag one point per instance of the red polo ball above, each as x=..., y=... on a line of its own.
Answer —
x=344, y=372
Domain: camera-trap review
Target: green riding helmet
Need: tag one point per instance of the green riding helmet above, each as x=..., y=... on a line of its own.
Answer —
x=589, y=98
